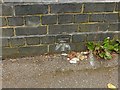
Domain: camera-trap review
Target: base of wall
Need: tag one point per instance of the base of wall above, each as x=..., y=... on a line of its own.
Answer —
x=77, y=42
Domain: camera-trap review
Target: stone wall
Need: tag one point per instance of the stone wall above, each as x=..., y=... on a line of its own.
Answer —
x=34, y=28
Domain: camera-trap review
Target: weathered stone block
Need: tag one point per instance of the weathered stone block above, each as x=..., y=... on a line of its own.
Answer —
x=3, y=22
x=7, y=10
x=66, y=38
x=17, y=42
x=63, y=19
x=32, y=40
x=31, y=9
x=99, y=7
x=88, y=27
x=114, y=27
x=113, y=17
x=96, y=18
x=7, y=32
x=31, y=30
x=32, y=20
x=15, y=21
x=9, y=53
x=32, y=50
x=80, y=18
x=47, y=39
x=66, y=8
x=5, y=42
x=59, y=29
x=103, y=26
x=78, y=38
x=49, y=19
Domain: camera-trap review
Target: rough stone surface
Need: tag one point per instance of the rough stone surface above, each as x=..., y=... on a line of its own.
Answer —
x=49, y=19
x=88, y=27
x=7, y=32
x=79, y=38
x=32, y=50
x=5, y=42
x=7, y=10
x=33, y=40
x=99, y=7
x=59, y=29
x=47, y=39
x=32, y=20
x=80, y=18
x=47, y=22
x=30, y=9
x=16, y=42
x=66, y=8
x=4, y=22
x=63, y=19
x=15, y=21
x=31, y=30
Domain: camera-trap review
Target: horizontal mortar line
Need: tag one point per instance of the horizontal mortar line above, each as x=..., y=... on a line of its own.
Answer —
x=91, y=12
x=64, y=13
x=59, y=1
x=75, y=33
x=24, y=15
x=59, y=24
x=92, y=22
x=95, y=32
x=34, y=45
x=22, y=26
x=64, y=24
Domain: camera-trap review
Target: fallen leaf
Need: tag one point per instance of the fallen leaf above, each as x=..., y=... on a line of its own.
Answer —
x=111, y=86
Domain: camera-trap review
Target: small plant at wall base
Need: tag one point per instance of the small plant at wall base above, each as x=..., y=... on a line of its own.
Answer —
x=104, y=50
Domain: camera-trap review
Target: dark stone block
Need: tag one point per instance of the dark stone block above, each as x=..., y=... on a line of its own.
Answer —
x=78, y=38
x=5, y=42
x=74, y=47
x=31, y=9
x=7, y=32
x=49, y=19
x=47, y=39
x=32, y=40
x=7, y=10
x=9, y=52
x=109, y=6
x=52, y=49
x=31, y=30
x=4, y=22
x=63, y=19
x=88, y=27
x=15, y=21
x=117, y=7
x=114, y=27
x=97, y=37
x=32, y=50
x=32, y=20
x=17, y=42
x=113, y=17
x=66, y=38
x=79, y=18
x=103, y=26
x=96, y=18
x=66, y=8
x=108, y=34
x=60, y=29
x=91, y=37
x=99, y=7
x=81, y=46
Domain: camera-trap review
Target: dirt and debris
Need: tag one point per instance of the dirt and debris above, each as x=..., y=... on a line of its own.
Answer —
x=52, y=71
